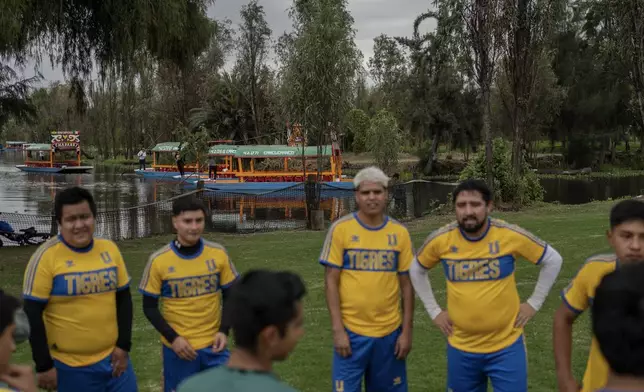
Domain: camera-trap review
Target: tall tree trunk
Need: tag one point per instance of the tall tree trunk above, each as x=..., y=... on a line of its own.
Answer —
x=429, y=167
x=487, y=132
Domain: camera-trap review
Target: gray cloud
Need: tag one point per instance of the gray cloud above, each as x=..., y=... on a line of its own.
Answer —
x=372, y=18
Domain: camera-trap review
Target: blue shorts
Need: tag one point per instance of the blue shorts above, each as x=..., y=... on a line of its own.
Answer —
x=372, y=359
x=176, y=370
x=95, y=378
x=507, y=369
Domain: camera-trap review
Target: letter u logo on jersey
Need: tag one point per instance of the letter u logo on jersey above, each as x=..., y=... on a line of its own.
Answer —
x=105, y=256
x=212, y=266
x=339, y=386
x=494, y=247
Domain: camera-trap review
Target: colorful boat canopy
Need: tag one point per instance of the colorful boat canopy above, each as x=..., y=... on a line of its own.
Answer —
x=223, y=150
x=270, y=151
x=167, y=147
x=38, y=147
x=14, y=142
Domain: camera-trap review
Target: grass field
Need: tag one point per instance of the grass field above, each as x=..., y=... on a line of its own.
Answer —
x=576, y=231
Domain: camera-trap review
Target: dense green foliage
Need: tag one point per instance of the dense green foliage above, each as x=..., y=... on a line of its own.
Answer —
x=507, y=188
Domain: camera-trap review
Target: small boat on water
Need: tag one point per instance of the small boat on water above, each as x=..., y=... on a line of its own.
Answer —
x=11, y=145
x=45, y=158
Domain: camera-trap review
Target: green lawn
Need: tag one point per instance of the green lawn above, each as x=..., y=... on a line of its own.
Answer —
x=576, y=231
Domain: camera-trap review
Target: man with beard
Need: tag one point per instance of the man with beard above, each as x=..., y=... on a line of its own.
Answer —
x=367, y=257
x=626, y=237
x=484, y=319
x=191, y=276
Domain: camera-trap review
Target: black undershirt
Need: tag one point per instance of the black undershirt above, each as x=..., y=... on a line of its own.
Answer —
x=38, y=335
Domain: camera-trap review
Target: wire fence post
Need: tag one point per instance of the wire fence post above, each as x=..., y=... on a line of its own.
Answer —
x=54, y=224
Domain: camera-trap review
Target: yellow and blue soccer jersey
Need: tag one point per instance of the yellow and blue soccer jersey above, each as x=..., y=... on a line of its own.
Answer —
x=578, y=296
x=80, y=290
x=482, y=297
x=190, y=289
x=370, y=259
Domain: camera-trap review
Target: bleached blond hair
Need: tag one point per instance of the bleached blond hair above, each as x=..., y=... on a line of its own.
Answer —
x=371, y=174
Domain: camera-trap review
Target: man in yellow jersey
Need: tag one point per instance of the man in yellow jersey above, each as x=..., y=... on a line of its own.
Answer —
x=12, y=377
x=190, y=276
x=617, y=319
x=484, y=319
x=78, y=301
x=367, y=257
x=626, y=237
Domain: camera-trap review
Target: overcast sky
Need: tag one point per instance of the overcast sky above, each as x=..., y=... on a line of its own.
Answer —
x=372, y=18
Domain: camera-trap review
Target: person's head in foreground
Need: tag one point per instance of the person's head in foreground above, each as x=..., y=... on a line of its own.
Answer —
x=9, y=305
x=188, y=219
x=370, y=185
x=473, y=204
x=265, y=313
x=618, y=326
x=75, y=212
x=626, y=233
x=267, y=316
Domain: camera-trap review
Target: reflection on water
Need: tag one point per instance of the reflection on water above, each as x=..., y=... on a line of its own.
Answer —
x=33, y=193
x=579, y=191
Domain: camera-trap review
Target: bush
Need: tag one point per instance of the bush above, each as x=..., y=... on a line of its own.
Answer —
x=525, y=191
x=357, y=125
x=384, y=141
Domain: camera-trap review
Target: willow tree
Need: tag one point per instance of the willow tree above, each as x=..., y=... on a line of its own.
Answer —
x=77, y=34
x=320, y=62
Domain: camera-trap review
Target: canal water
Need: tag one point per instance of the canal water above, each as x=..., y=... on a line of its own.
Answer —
x=131, y=207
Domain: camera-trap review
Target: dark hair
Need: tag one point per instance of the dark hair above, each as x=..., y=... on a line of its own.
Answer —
x=8, y=307
x=187, y=203
x=473, y=185
x=625, y=211
x=618, y=319
x=72, y=196
x=260, y=299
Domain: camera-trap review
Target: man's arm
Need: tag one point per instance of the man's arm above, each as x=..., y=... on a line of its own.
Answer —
x=332, y=291
x=331, y=257
x=422, y=286
x=408, y=303
x=124, y=316
x=224, y=325
x=153, y=314
x=550, y=263
x=229, y=276
x=38, y=335
x=562, y=342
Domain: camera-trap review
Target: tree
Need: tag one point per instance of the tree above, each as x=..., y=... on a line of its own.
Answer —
x=529, y=28
x=384, y=140
x=319, y=66
x=253, y=47
x=480, y=32
x=357, y=124
x=76, y=34
x=14, y=96
x=388, y=67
